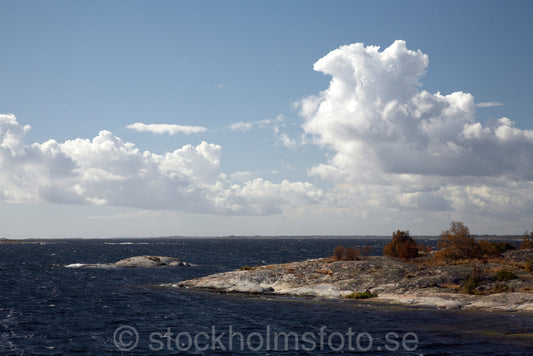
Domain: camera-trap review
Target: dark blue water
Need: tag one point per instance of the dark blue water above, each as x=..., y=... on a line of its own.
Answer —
x=52, y=310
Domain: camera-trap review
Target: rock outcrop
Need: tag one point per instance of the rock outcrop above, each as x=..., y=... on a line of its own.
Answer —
x=392, y=280
x=137, y=261
x=150, y=261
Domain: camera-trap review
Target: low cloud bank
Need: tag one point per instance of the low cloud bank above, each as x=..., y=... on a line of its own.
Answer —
x=109, y=171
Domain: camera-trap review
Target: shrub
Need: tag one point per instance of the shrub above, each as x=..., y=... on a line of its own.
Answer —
x=350, y=254
x=362, y=295
x=488, y=249
x=503, y=246
x=493, y=248
x=246, y=268
x=456, y=244
x=505, y=275
x=472, y=281
x=338, y=253
x=402, y=246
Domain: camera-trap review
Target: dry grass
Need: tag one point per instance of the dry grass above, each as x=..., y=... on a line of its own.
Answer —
x=362, y=295
x=248, y=268
x=452, y=286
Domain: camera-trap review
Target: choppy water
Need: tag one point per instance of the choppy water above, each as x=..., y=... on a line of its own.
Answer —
x=51, y=310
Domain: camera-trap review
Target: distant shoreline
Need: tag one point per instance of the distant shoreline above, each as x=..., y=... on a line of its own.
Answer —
x=252, y=237
x=366, y=237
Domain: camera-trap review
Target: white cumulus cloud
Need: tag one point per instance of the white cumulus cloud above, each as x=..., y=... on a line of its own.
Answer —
x=405, y=147
x=170, y=129
x=106, y=170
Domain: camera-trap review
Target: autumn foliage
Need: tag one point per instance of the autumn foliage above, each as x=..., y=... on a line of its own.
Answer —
x=402, y=246
x=350, y=254
x=457, y=244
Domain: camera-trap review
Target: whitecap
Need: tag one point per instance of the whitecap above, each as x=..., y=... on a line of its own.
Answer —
x=89, y=265
x=75, y=265
x=127, y=243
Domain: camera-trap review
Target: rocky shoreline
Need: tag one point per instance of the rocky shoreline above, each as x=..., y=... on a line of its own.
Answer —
x=393, y=281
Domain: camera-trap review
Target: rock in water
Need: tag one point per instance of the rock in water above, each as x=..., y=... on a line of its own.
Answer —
x=150, y=261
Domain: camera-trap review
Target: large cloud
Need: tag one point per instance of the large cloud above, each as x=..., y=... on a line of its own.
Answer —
x=404, y=147
x=107, y=170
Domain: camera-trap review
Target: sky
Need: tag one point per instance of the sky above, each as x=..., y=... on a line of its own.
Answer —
x=212, y=118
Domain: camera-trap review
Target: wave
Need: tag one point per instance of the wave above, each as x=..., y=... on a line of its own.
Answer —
x=127, y=243
x=76, y=265
x=89, y=265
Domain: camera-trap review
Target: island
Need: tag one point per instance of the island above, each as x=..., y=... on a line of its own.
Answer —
x=464, y=273
x=389, y=280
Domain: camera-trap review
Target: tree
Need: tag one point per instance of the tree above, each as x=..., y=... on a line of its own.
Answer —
x=402, y=246
x=456, y=243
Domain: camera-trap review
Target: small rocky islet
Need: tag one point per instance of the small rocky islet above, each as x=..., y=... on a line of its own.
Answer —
x=145, y=261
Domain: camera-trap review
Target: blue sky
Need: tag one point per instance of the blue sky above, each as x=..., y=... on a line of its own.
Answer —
x=72, y=69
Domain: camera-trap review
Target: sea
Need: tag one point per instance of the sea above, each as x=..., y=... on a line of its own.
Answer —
x=52, y=304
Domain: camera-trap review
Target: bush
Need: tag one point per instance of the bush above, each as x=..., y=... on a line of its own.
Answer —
x=362, y=295
x=488, y=249
x=472, y=281
x=457, y=244
x=350, y=254
x=503, y=246
x=493, y=248
x=402, y=246
x=338, y=253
